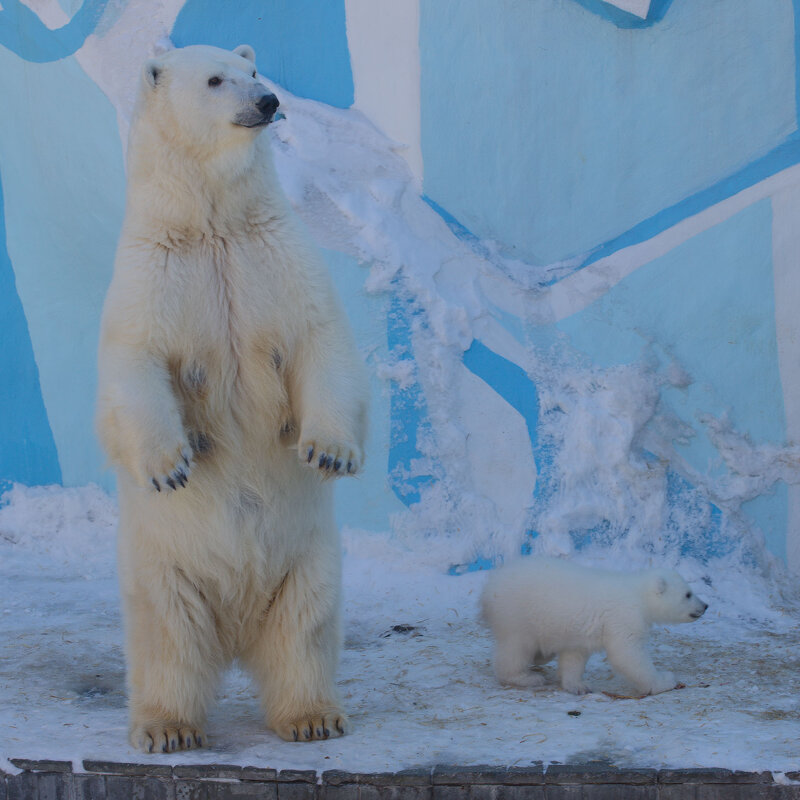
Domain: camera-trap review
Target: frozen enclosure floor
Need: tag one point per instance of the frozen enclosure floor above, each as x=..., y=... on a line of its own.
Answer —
x=416, y=696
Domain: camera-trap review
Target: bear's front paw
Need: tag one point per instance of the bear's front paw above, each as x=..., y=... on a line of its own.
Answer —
x=166, y=737
x=331, y=458
x=314, y=727
x=171, y=470
x=663, y=683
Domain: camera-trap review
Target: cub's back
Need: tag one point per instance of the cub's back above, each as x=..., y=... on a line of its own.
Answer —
x=538, y=594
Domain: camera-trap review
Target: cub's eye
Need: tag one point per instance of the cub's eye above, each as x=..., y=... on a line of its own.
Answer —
x=215, y=81
x=688, y=595
x=254, y=73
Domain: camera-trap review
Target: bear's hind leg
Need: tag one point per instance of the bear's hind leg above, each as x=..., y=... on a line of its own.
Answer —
x=512, y=664
x=571, y=664
x=174, y=660
x=295, y=651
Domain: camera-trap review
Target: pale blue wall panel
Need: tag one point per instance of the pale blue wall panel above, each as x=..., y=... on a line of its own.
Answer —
x=550, y=129
x=27, y=450
x=61, y=161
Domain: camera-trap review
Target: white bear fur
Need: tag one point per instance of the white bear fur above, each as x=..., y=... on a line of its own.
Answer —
x=230, y=389
x=540, y=608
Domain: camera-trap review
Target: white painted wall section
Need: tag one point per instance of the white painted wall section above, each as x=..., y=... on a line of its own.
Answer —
x=638, y=7
x=383, y=36
x=583, y=287
x=786, y=269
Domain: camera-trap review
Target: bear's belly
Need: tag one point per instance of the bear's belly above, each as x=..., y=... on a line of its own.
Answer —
x=232, y=406
x=235, y=518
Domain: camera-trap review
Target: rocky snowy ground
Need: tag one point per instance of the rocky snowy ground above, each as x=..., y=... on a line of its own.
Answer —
x=415, y=673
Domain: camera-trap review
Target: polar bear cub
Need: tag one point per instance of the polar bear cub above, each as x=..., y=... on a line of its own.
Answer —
x=230, y=393
x=540, y=608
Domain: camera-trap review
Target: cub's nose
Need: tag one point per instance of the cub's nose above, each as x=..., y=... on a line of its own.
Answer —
x=267, y=104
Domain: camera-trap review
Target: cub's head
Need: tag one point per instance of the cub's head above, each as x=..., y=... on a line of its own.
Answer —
x=669, y=599
x=206, y=98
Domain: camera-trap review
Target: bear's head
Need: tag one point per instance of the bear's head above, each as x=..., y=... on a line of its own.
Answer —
x=669, y=598
x=206, y=99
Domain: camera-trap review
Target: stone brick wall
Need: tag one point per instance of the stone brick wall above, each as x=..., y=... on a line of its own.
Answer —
x=100, y=780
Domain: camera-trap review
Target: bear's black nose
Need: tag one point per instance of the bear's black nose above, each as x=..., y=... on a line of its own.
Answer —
x=267, y=104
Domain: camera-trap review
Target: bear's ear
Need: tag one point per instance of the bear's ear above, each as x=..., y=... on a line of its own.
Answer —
x=151, y=72
x=661, y=584
x=163, y=45
x=245, y=51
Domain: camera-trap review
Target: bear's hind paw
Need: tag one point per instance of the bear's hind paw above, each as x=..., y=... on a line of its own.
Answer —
x=166, y=737
x=314, y=728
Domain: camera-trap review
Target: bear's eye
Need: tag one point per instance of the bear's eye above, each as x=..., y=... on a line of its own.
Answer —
x=688, y=595
x=254, y=73
x=215, y=81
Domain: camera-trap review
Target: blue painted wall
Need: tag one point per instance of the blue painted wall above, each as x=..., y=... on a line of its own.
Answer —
x=554, y=130
x=367, y=501
x=300, y=44
x=710, y=305
x=27, y=450
x=24, y=33
x=64, y=185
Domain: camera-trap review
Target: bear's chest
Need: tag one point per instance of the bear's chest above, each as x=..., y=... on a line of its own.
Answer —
x=232, y=304
x=241, y=298
x=228, y=286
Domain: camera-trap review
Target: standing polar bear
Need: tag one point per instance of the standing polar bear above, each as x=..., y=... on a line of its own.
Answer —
x=230, y=390
x=540, y=608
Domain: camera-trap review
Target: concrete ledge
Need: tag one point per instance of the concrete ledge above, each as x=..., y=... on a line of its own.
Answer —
x=105, y=780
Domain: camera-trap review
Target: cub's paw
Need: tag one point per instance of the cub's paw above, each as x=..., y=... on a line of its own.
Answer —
x=171, y=471
x=166, y=737
x=333, y=459
x=576, y=687
x=527, y=679
x=314, y=727
x=663, y=682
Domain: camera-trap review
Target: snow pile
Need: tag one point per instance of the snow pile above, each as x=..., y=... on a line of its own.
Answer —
x=58, y=523
x=607, y=464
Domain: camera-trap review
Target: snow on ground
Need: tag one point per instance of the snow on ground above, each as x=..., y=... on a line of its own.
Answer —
x=415, y=673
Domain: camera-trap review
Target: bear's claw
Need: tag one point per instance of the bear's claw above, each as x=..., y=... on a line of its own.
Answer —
x=328, y=726
x=177, y=477
x=333, y=460
x=166, y=738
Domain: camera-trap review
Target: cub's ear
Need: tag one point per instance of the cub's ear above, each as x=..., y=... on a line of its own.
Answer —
x=152, y=71
x=661, y=585
x=245, y=51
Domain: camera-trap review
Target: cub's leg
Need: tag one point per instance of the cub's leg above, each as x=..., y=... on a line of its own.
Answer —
x=174, y=660
x=295, y=651
x=629, y=658
x=512, y=663
x=571, y=664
